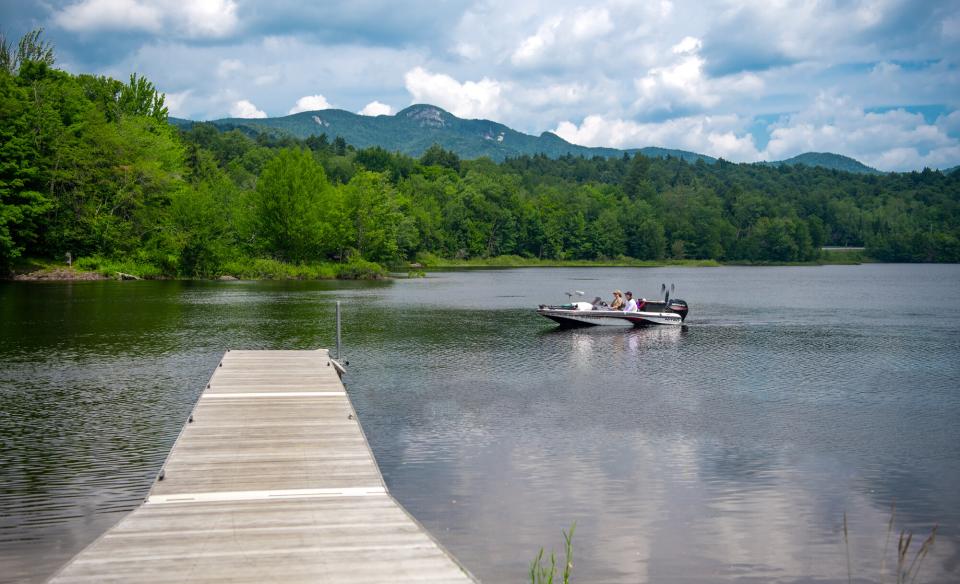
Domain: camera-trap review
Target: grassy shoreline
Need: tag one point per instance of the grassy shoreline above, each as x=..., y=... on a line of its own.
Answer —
x=99, y=268
x=519, y=262
x=429, y=262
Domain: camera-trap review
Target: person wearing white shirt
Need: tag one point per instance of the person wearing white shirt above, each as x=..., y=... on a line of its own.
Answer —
x=631, y=305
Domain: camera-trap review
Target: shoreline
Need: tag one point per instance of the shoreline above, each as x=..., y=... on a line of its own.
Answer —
x=481, y=265
x=64, y=274
x=41, y=271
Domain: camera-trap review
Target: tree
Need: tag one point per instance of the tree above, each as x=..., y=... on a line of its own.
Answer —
x=200, y=228
x=606, y=236
x=31, y=48
x=644, y=232
x=318, y=143
x=435, y=155
x=22, y=203
x=141, y=98
x=374, y=216
x=287, y=207
x=635, y=184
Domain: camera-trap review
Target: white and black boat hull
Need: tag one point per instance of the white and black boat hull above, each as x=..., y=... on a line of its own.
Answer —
x=575, y=318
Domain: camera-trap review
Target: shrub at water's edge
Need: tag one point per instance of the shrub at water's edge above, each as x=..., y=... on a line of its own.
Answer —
x=268, y=269
x=431, y=261
x=144, y=266
x=99, y=267
x=111, y=267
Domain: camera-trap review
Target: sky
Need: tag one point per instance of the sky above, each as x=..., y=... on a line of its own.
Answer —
x=748, y=80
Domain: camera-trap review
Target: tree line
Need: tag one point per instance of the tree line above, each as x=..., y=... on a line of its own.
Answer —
x=90, y=165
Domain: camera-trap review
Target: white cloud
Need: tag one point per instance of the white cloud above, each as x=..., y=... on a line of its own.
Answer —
x=175, y=103
x=561, y=94
x=228, y=67
x=680, y=83
x=591, y=23
x=533, y=64
x=893, y=140
x=246, y=109
x=562, y=36
x=719, y=136
x=375, y=108
x=885, y=69
x=467, y=50
x=538, y=43
x=906, y=158
x=687, y=45
x=949, y=123
x=94, y=15
x=310, y=103
x=684, y=83
x=734, y=87
x=194, y=19
x=273, y=75
x=798, y=30
x=950, y=28
x=889, y=140
x=471, y=99
x=266, y=79
x=206, y=18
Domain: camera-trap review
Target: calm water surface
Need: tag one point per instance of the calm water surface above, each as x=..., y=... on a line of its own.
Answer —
x=726, y=451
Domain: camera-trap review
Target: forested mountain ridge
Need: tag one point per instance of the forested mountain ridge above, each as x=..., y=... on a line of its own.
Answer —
x=828, y=160
x=414, y=129
x=91, y=166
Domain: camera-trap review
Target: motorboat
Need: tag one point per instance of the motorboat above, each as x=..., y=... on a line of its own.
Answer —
x=668, y=311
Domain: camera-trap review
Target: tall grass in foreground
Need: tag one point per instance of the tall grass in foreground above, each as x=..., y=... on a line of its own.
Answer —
x=906, y=573
x=544, y=574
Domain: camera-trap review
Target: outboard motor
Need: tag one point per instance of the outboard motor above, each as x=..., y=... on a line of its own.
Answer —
x=678, y=306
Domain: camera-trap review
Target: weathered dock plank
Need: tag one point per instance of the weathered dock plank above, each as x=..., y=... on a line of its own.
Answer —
x=272, y=480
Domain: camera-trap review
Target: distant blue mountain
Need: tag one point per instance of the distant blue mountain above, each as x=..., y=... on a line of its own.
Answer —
x=827, y=160
x=416, y=128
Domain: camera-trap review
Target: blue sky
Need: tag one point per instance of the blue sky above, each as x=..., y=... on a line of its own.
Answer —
x=877, y=80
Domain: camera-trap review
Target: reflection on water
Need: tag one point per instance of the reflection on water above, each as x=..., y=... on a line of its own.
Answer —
x=723, y=451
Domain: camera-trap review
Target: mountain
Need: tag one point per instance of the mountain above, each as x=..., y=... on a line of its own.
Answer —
x=416, y=128
x=828, y=160
x=951, y=170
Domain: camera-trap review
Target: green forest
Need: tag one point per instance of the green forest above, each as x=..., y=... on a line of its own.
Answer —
x=90, y=166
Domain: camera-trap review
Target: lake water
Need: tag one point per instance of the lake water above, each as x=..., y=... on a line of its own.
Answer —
x=726, y=451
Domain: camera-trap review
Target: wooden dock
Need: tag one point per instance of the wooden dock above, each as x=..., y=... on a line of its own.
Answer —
x=271, y=480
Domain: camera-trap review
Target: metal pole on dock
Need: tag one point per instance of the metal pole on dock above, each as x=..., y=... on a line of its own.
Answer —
x=338, y=330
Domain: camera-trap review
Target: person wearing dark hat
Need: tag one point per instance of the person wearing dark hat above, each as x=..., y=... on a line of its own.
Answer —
x=617, y=303
x=631, y=304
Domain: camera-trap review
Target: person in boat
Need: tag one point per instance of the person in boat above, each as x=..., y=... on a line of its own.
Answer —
x=617, y=303
x=631, y=304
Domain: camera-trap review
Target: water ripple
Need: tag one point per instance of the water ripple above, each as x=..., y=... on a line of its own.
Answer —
x=724, y=451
